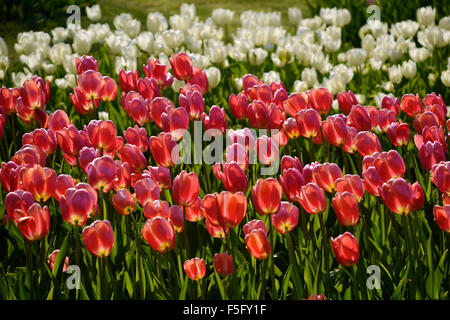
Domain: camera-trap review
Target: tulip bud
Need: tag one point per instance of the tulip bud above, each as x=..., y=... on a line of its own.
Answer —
x=40, y=181
x=232, y=208
x=124, y=202
x=286, y=218
x=312, y=198
x=345, y=206
x=34, y=223
x=195, y=268
x=98, y=238
x=159, y=234
x=52, y=258
x=266, y=196
x=185, y=188
x=223, y=264
x=257, y=244
x=442, y=216
x=346, y=250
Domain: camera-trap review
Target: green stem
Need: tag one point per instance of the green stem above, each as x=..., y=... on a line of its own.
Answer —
x=30, y=268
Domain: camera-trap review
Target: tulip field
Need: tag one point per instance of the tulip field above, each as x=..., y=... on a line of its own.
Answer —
x=242, y=155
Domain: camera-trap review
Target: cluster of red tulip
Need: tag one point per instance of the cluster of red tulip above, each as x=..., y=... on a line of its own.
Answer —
x=117, y=167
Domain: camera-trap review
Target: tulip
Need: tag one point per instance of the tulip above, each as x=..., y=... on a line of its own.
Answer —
x=350, y=144
x=232, y=208
x=296, y=102
x=194, y=213
x=308, y=121
x=289, y=162
x=442, y=216
x=86, y=63
x=191, y=99
x=158, y=71
x=175, y=121
x=133, y=156
x=101, y=173
x=216, y=122
x=411, y=105
x=267, y=150
x=418, y=197
x=399, y=196
x=195, y=268
x=164, y=149
x=8, y=99
x=367, y=143
x=258, y=114
x=34, y=223
x=162, y=175
x=359, y=119
x=237, y=153
x=254, y=224
x=128, y=80
x=276, y=117
x=157, y=208
x=440, y=176
x=335, y=130
x=384, y=118
x=325, y=175
x=352, y=184
x=159, y=234
x=137, y=136
x=431, y=153
x=123, y=201
x=78, y=204
x=321, y=100
x=372, y=181
x=216, y=231
x=86, y=156
x=391, y=104
x=102, y=135
x=71, y=141
x=185, y=188
x=426, y=119
x=286, y=218
x=30, y=155
x=44, y=139
x=148, y=88
x=266, y=196
x=398, y=134
x=345, y=206
x=223, y=264
x=210, y=209
x=431, y=134
x=177, y=217
x=290, y=128
x=146, y=190
x=346, y=100
x=91, y=84
x=243, y=137
x=58, y=120
x=291, y=181
x=257, y=244
x=10, y=176
x=200, y=79
x=98, y=238
x=40, y=181
x=181, y=65
x=317, y=297
x=81, y=103
x=390, y=165
x=52, y=258
x=238, y=105
x=63, y=182
x=346, y=250
x=232, y=176
x=312, y=198
x=18, y=200
x=34, y=93
x=136, y=107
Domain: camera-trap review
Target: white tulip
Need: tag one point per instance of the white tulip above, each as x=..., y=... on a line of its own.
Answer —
x=409, y=69
x=189, y=10
x=300, y=86
x=145, y=41
x=431, y=37
x=94, y=13
x=445, y=77
x=20, y=77
x=222, y=17
x=48, y=67
x=33, y=61
x=156, y=22
x=126, y=63
x=69, y=64
x=375, y=63
x=3, y=47
x=4, y=65
x=426, y=16
x=256, y=56
x=356, y=57
x=59, y=34
x=405, y=29
x=335, y=17
x=100, y=31
x=103, y=115
x=193, y=44
x=180, y=22
x=312, y=23
x=59, y=51
x=395, y=74
x=200, y=61
x=419, y=54
x=73, y=29
x=444, y=23
x=216, y=51
x=82, y=42
x=177, y=84
x=294, y=16
x=173, y=38
x=271, y=76
x=238, y=83
x=309, y=75
x=213, y=75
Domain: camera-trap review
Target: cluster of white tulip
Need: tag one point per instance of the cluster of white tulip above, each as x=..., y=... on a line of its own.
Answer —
x=260, y=36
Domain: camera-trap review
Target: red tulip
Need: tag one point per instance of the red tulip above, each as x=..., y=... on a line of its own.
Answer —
x=162, y=175
x=232, y=176
x=181, y=65
x=83, y=104
x=164, y=149
x=63, y=182
x=440, y=176
x=243, y=137
x=101, y=173
x=10, y=176
x=18, y=200
x=335, y=130
x=133, y=156
x=346, y=250
x=185, y=188
x=257, y=244
x=267, y=150
x=296, y=102
x=98, y=238
x=398, y=195
x=325, y=175
x=411, y=105
x=216, y=122
x=200, y=79
x=232, y=208
x=260, y=92
x=431, y=134
x=58, y=120
x=175, y=121
x=136, y=107
x=312, y=198
x=177, y=217
x=289, y=162
x=195, y=268
x=158, y=71
x=78, y=204
x=258, y=114
x=291, y=181
x=91, y=84
x=148, y=88
x=223, y=264
x=367, y=143
x=52, y=258
x=216, y=231
x=194, y=213
x=146, y=190
x=291, y=129
x=86, y=63
x=137, y=136
x=398, y=134
x=431, y=153
x=86, y=156
x=345, y=206
x=40, y=181
x=210, y=209
x=391, y=104
x=321, y=100
x=286, y=218
x=102, y=135
x=266, y=196
x=350, y=144
x=8, y=99
x=34, y=93
x=238, y=105
x=249, y=80
x=442, y=216
x=317, y=297
x=191, y=99
x=30, y=155
x=71, y=141
x=390, y=165
x=128, y=80
x=237, y=153
x=44, y=139
x=418, y=196
x=346, y=100
x=159, y=234
x=157, y=107
x=34, y=223
x=352, y=184
x=254, y=224
x=123, y=201
x=276, y=117
x=157, y=208
x=359, y=119
x=308, y=121
x=109, y=92
x=372, y=181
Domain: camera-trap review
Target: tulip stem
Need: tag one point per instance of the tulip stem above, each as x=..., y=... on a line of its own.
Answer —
x=169, y=273
x=325, y=249
x=30, y=268
x=102, y=278
x=293, y=259
x=77, y=250
x=272, y=261
x=138, y=258
x=263, y=278
x=311, y=150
